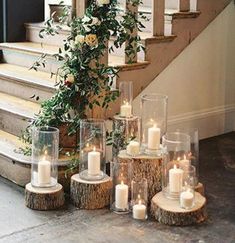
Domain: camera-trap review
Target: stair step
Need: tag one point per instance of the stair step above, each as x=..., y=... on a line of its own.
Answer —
x=16, y=113
x=24, y=83
x=26, y=53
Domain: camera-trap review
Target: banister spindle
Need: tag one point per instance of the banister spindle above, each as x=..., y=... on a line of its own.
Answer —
x=184, y=5
x=158, y=13
x=133, y=9
x=81, y=6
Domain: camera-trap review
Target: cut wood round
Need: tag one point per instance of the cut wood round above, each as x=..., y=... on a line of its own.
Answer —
x=90, y=194
x=124, y=129
x=200, y=188
x=44, y=198
x=148, y=167
x=169, y=212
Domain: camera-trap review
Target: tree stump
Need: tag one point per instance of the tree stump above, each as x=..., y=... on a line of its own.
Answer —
x=169, y=212
x=90, y=194
x=124, y=129
x=200, y=188
x=44, y=198
x=148, y=167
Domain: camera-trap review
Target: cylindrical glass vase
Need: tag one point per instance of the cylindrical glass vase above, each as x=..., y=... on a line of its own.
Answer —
x=126, y=97
x=45, y=147
x=187, y=195
x=175, y=146
x=121, y=174
x=154, y=122
x=193, y=155
x=139, y=198
x=92, y=149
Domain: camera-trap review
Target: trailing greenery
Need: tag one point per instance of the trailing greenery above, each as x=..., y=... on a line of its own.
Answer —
x=84, y=80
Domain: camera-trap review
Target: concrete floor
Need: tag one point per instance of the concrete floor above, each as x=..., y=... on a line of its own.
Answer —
x=217, y=170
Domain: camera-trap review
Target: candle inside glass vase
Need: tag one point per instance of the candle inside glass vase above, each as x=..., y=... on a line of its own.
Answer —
x=154, y=137
x=139, y=210
x=44, y=171
x=121, y=196
x=126, y=109
x=94, y=162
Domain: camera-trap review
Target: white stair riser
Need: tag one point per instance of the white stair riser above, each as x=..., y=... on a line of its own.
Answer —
x=19, y=173
x=27, y=59
x=12, y=123
x=22, y=90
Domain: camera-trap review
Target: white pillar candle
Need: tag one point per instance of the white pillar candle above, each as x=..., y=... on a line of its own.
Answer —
x=139, y=211
x=154, y=137
x=93, y=162
x=44, y=172
x=186, y=199
x=175, y=180
x=126, y=110
x=184, y=162
x=121, y=196
x=133, y=148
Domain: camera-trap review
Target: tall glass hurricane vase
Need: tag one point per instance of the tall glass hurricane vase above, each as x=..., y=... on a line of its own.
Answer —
x=45, y=147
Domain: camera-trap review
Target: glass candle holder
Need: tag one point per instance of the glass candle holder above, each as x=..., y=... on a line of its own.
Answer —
x=139, y=198
x=126, y=97
x=154, y=122
x=45, y=147
x=121, y=174
x=175, y=146
x=92, y=149
x=187, y=195
x=193, y=155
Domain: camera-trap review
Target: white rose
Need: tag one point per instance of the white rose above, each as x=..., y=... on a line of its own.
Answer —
x=102, y=2
x=72, y=44
x=95, y=21
x=70, y=78
x=79, y=39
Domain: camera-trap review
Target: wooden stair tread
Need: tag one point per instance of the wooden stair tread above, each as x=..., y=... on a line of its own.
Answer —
x=23, y=74
x=37, y=48
x=18, y=106
x=9, y=147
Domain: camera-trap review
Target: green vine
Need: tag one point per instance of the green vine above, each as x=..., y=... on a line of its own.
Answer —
x=84, y=81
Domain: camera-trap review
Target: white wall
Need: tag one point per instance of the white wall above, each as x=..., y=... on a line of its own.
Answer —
x=200, y=82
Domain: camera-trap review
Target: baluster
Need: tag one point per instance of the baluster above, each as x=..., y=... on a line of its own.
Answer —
x=81, y=6
x=184, y=5
x=134, y=10
x=158, y=13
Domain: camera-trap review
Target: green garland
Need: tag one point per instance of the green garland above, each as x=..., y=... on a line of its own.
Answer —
x=83, y=80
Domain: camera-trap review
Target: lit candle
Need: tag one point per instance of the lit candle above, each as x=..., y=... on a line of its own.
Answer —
x=121, y=196
x=133, y=148
x=184, y=162
x=186, y=199
x=154, y=137
x=126, y=110
x=94, y=162
x=175, y=179
x=44, y=172
x=139, y=211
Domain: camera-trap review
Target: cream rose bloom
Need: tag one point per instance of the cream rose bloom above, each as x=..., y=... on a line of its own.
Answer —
x=79, y=39
x=88, y=22
x=70, y=78
x=91, y=40
x=102, y=2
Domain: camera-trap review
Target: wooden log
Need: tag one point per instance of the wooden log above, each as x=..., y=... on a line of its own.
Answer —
x=148, y=167
x=90, y=194
x=124, y=129
x=44, y=198
x=169, y=212
x=200, y=188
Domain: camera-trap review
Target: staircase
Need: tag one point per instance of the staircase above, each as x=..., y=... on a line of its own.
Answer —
x=172, y=26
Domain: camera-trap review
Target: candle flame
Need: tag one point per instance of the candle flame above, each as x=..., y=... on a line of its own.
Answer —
x=87, y=145
x=140, y=202
x=184, y=157
x=175, y=167
x=178, y=159
x=45, y=153
x=138, y=196
x=122, y=183
x=94, y=149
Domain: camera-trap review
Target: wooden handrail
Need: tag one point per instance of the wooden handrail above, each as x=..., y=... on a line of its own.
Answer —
x=134, y=10
x=158, y=12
